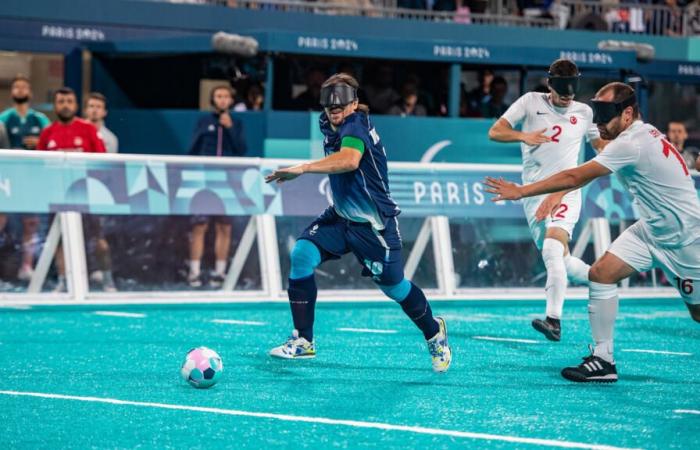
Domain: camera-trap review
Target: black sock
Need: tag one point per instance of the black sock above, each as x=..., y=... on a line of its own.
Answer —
x=417, y=308
x=302, y=299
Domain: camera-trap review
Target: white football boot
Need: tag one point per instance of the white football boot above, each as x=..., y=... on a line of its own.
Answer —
x=439, y=348
x=295, y=348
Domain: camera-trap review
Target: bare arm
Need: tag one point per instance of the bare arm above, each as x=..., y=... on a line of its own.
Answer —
x=346, y=160
x=599, y=144
x=502, y=131
x=565, y=180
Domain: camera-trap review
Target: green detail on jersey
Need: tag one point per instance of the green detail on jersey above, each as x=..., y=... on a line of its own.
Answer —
x=353, y=142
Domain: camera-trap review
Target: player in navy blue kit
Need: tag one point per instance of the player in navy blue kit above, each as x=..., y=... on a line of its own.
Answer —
x=362, y=220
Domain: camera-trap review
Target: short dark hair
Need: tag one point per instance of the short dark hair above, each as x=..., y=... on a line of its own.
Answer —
x=563, y=68
x=20, y=77
x=499, y=80
x=621, y=92
x=65, y=90
x=97, y=96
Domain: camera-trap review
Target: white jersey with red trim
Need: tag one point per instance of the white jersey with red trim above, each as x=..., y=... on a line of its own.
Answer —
x=654, y=172
x=567, y=127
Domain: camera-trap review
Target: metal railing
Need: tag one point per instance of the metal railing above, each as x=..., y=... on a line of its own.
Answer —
x=596, y=15
x=621, y=17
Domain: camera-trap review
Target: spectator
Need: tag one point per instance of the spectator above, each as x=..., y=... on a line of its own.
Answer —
x=408, y=104
x=677, y=134
x=309, y=100
x=494, y=105
x=476, y=96
x=381, y=94
x=4, y=140
x=255, y=98
x=23, y=125
x=692, y=12
x=95, y=113
x=70, y=133
x=216, y=134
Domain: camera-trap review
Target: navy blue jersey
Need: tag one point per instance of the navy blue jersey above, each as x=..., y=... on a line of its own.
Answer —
x=361, y=195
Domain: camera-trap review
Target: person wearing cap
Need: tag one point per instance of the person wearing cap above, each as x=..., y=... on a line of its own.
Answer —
x=554, y=126
x=362, y=221
x=666, y=236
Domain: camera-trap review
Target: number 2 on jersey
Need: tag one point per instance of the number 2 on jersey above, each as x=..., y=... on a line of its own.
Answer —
x=557, y=132
x=561, y=211
x=668, y=148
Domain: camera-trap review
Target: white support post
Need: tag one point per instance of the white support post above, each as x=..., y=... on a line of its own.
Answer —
x=442, y=249
x=271, y=273
x=418, y=249
x=74, y=254
x=241, y=255
x=601, y=236
x=583, y=240
x=47, y=253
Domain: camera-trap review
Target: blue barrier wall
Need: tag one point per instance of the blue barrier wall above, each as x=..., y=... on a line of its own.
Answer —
x=291, y=135
x=42, y=182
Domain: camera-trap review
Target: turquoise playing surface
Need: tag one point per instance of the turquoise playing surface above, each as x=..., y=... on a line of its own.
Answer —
x=497, y=394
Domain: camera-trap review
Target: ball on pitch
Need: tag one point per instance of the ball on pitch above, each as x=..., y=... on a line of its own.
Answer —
x=202, y=367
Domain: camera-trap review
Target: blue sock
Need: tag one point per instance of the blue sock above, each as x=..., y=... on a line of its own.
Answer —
x=415, y=305
x=302, y=300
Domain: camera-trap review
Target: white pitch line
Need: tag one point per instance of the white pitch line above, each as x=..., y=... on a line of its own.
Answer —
x=325, y=421
x=658, y=352
x=687, y=411
x=120, y=314
x=499, y=339
x=239, y=322
x=367, y=330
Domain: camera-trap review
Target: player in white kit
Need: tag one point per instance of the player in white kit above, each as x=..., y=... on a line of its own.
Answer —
x=553, y=129
x=667, y=235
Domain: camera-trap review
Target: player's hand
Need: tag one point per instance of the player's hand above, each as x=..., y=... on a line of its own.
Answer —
x=536, y=137
x=225, y=120
x=504, y=190
x=548, y=206
x=287, y=174
x=30, y=142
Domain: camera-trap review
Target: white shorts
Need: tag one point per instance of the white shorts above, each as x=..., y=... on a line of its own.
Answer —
x=565, y=217
x=681, y=265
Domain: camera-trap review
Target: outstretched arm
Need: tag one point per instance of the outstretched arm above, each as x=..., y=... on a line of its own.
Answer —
x=502, y=131
x=564, y=180
x=346, y=160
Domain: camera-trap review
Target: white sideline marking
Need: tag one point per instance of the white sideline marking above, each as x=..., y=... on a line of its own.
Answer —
x=120, y=314
x=239, y=322
x=687, y=411
x=499, y=339
x=326, y=421
x=660, y=352
x=367, y=330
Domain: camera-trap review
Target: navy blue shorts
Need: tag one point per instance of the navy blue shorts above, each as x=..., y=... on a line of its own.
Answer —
x=379, y=252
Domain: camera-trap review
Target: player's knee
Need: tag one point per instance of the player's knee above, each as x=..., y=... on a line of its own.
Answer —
x=397, y=292
x=305, y=257
x=597, y=274
x=102, y=246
